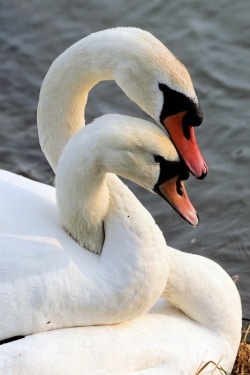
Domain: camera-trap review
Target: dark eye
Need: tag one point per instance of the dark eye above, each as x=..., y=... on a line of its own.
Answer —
x=158, y=158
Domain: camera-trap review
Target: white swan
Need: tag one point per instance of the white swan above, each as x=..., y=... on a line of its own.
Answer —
x=145, y=70
x=47, y=280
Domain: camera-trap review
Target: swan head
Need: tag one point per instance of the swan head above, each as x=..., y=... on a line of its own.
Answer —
x=141, y=152
x=160, y=84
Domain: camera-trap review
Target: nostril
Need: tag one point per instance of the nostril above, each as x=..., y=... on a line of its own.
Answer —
x=186, y=127
x=179, y=188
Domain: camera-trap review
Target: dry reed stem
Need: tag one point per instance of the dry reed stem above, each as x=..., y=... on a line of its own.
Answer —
x=216, y=367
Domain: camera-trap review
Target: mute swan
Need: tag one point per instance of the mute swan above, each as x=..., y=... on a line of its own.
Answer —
x=47, y=280
x=146, y=71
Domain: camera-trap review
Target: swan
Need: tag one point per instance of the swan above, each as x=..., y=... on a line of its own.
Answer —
x=147, y=72
x=49, y=281
x=48, y=278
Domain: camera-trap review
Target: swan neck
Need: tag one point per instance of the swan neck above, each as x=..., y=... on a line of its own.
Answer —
x=64, y=94
x=82, y=193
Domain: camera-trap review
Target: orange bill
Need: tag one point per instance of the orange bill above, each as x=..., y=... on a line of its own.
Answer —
x=186, y=144
x=174, y=192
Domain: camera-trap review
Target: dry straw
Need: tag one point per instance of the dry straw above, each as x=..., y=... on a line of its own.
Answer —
x=242, y=363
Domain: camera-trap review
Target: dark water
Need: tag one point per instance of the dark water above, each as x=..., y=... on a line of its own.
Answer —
x=212, y=39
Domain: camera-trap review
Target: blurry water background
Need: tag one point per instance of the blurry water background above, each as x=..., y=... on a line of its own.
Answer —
x=212, y=39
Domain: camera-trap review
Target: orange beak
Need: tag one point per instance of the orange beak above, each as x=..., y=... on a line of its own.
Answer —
x=186, y=146
x=174, y=192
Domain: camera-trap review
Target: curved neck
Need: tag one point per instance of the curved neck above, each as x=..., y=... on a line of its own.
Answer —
x=107, y=55
x=204, y=292
x=82, y=190
x=64, y=94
